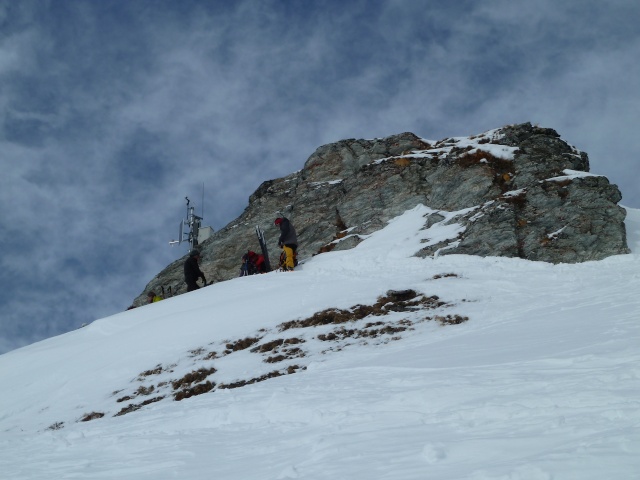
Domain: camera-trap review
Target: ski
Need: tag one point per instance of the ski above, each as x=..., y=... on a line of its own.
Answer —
x=263, y=247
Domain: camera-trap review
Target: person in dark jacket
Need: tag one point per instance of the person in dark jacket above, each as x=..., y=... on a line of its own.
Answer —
x=288, y=241
x=192, y=271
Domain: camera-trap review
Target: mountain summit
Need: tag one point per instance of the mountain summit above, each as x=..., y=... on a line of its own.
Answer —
x=517, y=191
x=380, y=365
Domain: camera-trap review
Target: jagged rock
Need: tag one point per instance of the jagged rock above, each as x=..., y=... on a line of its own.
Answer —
x=346, y=157
x=518, y=191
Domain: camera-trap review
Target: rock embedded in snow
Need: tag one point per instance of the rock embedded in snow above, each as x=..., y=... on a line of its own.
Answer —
x=517, y=191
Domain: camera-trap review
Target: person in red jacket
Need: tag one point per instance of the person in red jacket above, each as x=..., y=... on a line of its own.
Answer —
x=252, y=263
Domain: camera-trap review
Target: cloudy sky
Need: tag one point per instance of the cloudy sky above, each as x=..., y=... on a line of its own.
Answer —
x=112, y=111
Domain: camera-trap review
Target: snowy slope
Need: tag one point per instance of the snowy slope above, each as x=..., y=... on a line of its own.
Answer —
x=541, y=382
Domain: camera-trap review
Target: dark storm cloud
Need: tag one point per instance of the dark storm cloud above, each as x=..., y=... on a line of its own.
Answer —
x=112, y=112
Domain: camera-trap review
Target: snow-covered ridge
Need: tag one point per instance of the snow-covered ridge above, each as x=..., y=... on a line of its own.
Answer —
x=487, y=143
x=570, y=175
x=542, y=381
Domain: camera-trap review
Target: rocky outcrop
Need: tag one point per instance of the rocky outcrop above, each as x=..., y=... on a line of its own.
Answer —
x=518, y=191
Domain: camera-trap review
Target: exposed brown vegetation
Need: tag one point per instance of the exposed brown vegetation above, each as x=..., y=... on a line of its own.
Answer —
x=327, y=248
x=471, y=158
x=519, y=200
x=155, y=371
x=192, y=377
x=195, y=390
x=145, y=390
x=321, y=318
x=91, y=416
x=276, y=373
x=242, y=383
x=451, y=319
x=445, y=275
x=276, y=359
x=211, y=356
x=402, y=162
x=241, y=344
x=269, y=346
x=285, y=355
x=279, y=350
x=137, y=406
x=275, y=344
x=342, y=332
x=393, y=301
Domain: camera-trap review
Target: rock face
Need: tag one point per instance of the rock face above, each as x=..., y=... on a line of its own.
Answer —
x=517, y=191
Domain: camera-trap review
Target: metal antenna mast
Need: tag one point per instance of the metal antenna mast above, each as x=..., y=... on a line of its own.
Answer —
x=193, y=222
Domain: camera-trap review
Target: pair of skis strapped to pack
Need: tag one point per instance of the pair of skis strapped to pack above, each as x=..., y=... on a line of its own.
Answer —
x=263, y=247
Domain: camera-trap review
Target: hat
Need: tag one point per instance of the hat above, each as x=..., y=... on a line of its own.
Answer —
x=194, y=253
x=277, y=221
x=151, y=294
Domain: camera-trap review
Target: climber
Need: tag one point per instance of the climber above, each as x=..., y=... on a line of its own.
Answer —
x=252, y=263
x=153, y=298
x=288, y=241
x=192, y=271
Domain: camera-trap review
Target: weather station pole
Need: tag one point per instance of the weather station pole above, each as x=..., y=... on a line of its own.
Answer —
x=193, y=222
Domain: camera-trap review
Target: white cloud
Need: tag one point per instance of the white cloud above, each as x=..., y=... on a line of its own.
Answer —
x=113, y=115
